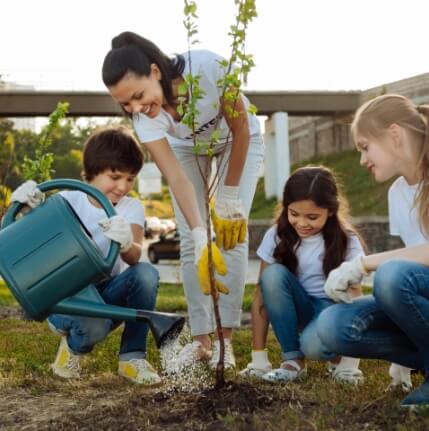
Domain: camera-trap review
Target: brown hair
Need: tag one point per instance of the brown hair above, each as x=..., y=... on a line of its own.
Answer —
x=113, y=148
x=373, y=119
x=319, y=185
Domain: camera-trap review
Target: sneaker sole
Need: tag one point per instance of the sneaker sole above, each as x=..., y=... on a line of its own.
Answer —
x=59, y=373
x=148, y=385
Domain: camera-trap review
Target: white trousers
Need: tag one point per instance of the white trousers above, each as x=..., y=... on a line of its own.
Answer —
x=200, y=306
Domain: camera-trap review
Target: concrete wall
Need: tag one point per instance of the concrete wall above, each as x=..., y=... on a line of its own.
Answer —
x=317, y=136
x=374, y=230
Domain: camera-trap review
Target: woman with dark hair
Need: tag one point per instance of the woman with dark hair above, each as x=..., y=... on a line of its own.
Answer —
x=146, y=83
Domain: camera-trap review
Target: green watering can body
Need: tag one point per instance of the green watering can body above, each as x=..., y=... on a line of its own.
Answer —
x=50, y=263
x=47, y=255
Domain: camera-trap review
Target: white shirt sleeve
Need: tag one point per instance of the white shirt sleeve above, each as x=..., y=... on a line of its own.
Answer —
x=269, y=243
x=151, y=129
x=354, y=247
x=132, y=211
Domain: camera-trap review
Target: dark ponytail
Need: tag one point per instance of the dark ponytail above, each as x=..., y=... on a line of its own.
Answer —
x=133, y=53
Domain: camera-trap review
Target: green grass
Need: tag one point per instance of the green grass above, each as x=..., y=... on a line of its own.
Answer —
x=171, y=298
x=365, y=196
x=30, y=393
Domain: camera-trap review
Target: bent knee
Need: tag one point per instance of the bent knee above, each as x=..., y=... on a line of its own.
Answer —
x=147, y=275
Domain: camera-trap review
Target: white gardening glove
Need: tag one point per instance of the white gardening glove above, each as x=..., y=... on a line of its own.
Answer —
x=199, y=236
x=119, y=230
x=28, y=193
x=229, y=219
x=343, y=277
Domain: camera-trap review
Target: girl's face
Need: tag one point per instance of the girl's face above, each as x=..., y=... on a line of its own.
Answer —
x=114, y=184
x=378, y=156
x=307, y=218
x=140, y=94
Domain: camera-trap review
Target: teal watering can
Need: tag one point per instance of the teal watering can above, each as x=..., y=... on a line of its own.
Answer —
x=50, y=263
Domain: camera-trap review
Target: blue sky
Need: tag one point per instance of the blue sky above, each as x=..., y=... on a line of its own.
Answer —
x=297, y=45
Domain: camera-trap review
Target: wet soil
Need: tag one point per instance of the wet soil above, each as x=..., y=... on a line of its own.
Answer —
x=99, y=406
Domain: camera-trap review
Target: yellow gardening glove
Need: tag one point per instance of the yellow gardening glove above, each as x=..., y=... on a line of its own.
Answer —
x=229, y=219
x=201, y=261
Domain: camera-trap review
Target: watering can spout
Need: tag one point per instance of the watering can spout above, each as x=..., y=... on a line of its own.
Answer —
x=88, y=302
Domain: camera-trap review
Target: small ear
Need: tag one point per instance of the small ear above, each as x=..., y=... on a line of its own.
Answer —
x=155, y=72
x=396, y=131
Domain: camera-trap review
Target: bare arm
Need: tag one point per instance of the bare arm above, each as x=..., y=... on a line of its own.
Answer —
x=418, y=254
x=132, y=256
x=177, y=179
x=259, y=316
x=240, y=141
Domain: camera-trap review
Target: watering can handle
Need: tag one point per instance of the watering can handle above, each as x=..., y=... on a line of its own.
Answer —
x=70, y=184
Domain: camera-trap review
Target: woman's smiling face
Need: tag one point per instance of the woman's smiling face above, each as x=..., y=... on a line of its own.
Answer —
x=140, y=94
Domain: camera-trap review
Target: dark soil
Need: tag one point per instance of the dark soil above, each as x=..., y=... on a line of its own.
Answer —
x=131, y=410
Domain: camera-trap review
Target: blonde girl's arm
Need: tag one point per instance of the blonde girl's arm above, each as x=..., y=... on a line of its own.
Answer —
x=177, y=179
x=132, y=256
x=259, y=316
x=418, y=254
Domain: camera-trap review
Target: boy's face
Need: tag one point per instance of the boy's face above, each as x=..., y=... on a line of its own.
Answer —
x=114, y=184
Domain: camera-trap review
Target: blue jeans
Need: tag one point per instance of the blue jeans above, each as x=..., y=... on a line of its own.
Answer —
x=392, y=325
x=291, y=309
x=136, y=287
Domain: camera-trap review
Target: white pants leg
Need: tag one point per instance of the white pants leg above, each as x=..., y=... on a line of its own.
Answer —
x=200, y=308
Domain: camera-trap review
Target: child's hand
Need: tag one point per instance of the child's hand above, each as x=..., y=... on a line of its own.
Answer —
x=28, y=193
x=229, y=219
x=201, y=261
x=340, y=279
x=118, y=229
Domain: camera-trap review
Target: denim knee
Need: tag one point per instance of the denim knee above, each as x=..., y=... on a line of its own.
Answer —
x=273, y=277
x=146, y=277
x=391, y=281
x=311, y=345
x=330, y=329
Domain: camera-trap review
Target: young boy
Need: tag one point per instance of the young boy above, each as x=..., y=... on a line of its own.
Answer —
x=111, y=160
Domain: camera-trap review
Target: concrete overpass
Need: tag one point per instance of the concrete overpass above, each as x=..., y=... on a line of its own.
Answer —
x=100, y=104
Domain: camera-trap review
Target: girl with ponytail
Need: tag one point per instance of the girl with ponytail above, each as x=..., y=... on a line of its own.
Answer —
x=391, y=133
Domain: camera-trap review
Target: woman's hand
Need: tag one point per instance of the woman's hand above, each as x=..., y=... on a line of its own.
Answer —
x=202, y=263
x=229, y=220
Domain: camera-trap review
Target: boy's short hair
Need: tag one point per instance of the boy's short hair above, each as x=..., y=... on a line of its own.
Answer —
x=113, y=148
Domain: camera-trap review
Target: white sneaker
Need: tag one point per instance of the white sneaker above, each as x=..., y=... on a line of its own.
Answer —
x=401, y=376
x=67, y=364
x=346, y=371
x=251, y=371
x=190, y=353
x=284, y=375
x=352, y=376
x=228, y=359
x=139, y=371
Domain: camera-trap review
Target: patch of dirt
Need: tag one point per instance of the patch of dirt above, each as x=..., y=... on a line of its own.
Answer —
x=129, y=408
x=11, y=312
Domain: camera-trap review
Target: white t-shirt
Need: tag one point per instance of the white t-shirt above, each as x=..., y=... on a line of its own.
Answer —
x=310, y=254
x=130, y=209
x=403, y=215
x=204, y=63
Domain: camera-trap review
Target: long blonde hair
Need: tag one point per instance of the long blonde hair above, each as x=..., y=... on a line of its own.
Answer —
x=373, y=119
